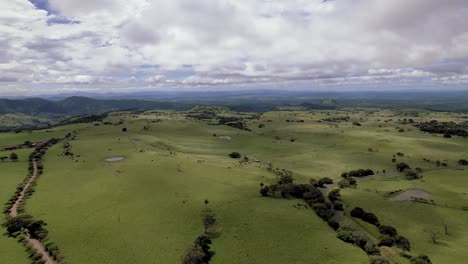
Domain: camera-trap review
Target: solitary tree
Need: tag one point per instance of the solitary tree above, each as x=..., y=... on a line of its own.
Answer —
x=3, y=158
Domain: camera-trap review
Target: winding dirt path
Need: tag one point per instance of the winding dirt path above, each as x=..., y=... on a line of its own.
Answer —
x=34, y=243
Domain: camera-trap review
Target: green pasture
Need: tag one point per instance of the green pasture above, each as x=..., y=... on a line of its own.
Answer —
x=146, y=208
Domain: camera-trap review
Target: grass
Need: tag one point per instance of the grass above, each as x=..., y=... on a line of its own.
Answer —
x=146, y=208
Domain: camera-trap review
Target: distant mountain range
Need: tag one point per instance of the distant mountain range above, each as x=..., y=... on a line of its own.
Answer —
x=40, y=112
x=73, y=106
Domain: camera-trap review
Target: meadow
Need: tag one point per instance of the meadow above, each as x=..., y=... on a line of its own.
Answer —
x=146, y=208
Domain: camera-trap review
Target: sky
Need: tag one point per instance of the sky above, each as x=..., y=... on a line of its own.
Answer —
x=58, y=46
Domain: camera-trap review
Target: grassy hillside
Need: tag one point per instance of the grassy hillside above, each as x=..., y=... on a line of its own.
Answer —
x=146, y=208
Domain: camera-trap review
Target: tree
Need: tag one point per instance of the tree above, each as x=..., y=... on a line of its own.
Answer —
x=14, y=156
x=334, y=195
x=463, y=162
x=403, y=243
x=235, y=155
x=433, y=234
x=323, y=181
x=124, y=129
x=388, y=230
x=371, y=219
x=313, y=196
x=208, y=218
x=3, y=158
x=195, y=255
x=357, y=212
x=402, y=166
x=264, y=191
x=200, y=252
x=386, y=241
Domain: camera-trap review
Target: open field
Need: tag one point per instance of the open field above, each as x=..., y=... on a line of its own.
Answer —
x=146, y=207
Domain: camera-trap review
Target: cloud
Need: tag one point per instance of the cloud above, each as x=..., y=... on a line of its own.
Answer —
x=233, y=42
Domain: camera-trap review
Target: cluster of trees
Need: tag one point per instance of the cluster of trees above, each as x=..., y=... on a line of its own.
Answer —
x=446, y=128
x=203, y=115
x=358, y=238
x=15, y=225
x=368, y=217
x=24, y=224
x=408, y=172
x=200, y=252
x=358, y=173
x=321, y=182
x=308, y=192
x=232, y=121
x=336, y=119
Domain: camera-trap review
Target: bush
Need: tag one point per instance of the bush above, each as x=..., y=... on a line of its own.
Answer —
x=357, y=212
x=235, y=155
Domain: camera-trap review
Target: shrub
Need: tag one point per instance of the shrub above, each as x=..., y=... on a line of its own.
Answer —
x=235, y=155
